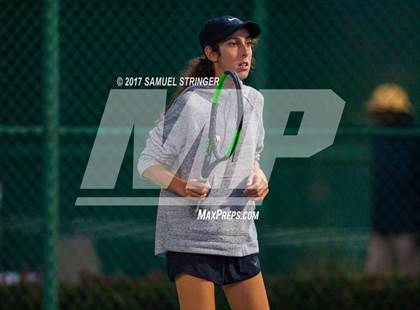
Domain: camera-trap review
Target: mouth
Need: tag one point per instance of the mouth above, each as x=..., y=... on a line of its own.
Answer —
x=244, y=65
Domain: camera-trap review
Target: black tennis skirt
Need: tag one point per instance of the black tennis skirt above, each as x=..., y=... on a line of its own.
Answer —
x=219, y=269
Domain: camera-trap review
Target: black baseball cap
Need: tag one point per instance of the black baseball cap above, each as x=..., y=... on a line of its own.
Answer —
x=219, y=28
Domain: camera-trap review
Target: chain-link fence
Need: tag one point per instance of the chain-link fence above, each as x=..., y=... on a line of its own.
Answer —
x=326, y=216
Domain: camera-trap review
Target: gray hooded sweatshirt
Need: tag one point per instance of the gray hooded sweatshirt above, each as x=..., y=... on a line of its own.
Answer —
x=178, y=143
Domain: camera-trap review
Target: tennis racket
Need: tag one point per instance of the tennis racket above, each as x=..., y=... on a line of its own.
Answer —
x=226, y=121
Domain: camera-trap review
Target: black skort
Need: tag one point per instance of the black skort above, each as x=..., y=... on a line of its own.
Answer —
x=219, y=269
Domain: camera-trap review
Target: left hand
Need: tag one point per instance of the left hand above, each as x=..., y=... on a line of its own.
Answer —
x=257, y=185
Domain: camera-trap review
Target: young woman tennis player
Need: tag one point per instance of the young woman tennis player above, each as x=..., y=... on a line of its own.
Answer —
x=204, y=253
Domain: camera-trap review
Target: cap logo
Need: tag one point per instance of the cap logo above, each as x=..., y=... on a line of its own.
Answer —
x=230, y=19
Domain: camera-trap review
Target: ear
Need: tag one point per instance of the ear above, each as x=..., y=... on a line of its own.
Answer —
x=210, y=54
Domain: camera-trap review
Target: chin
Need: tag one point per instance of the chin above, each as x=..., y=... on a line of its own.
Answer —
x=243, y=75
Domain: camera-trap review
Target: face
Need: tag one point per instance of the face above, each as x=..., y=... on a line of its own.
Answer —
x=235, y=53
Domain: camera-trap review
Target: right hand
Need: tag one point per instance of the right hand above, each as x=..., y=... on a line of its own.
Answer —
x=195, y=188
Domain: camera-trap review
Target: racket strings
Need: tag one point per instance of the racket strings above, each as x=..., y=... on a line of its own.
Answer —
x=226, y=121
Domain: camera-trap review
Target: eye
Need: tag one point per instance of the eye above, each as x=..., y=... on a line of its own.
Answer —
x=232, y=43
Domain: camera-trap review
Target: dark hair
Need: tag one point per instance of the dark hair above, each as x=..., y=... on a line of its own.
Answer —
x=197, y=67
x=202, y=67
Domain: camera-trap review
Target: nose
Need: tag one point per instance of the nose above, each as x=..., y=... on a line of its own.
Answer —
x=245, y=49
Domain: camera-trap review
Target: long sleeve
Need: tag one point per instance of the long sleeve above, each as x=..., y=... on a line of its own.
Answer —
x=261, y=131
x=164, y=146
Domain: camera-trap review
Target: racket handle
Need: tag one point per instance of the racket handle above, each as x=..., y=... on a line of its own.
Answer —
x=197, y=208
